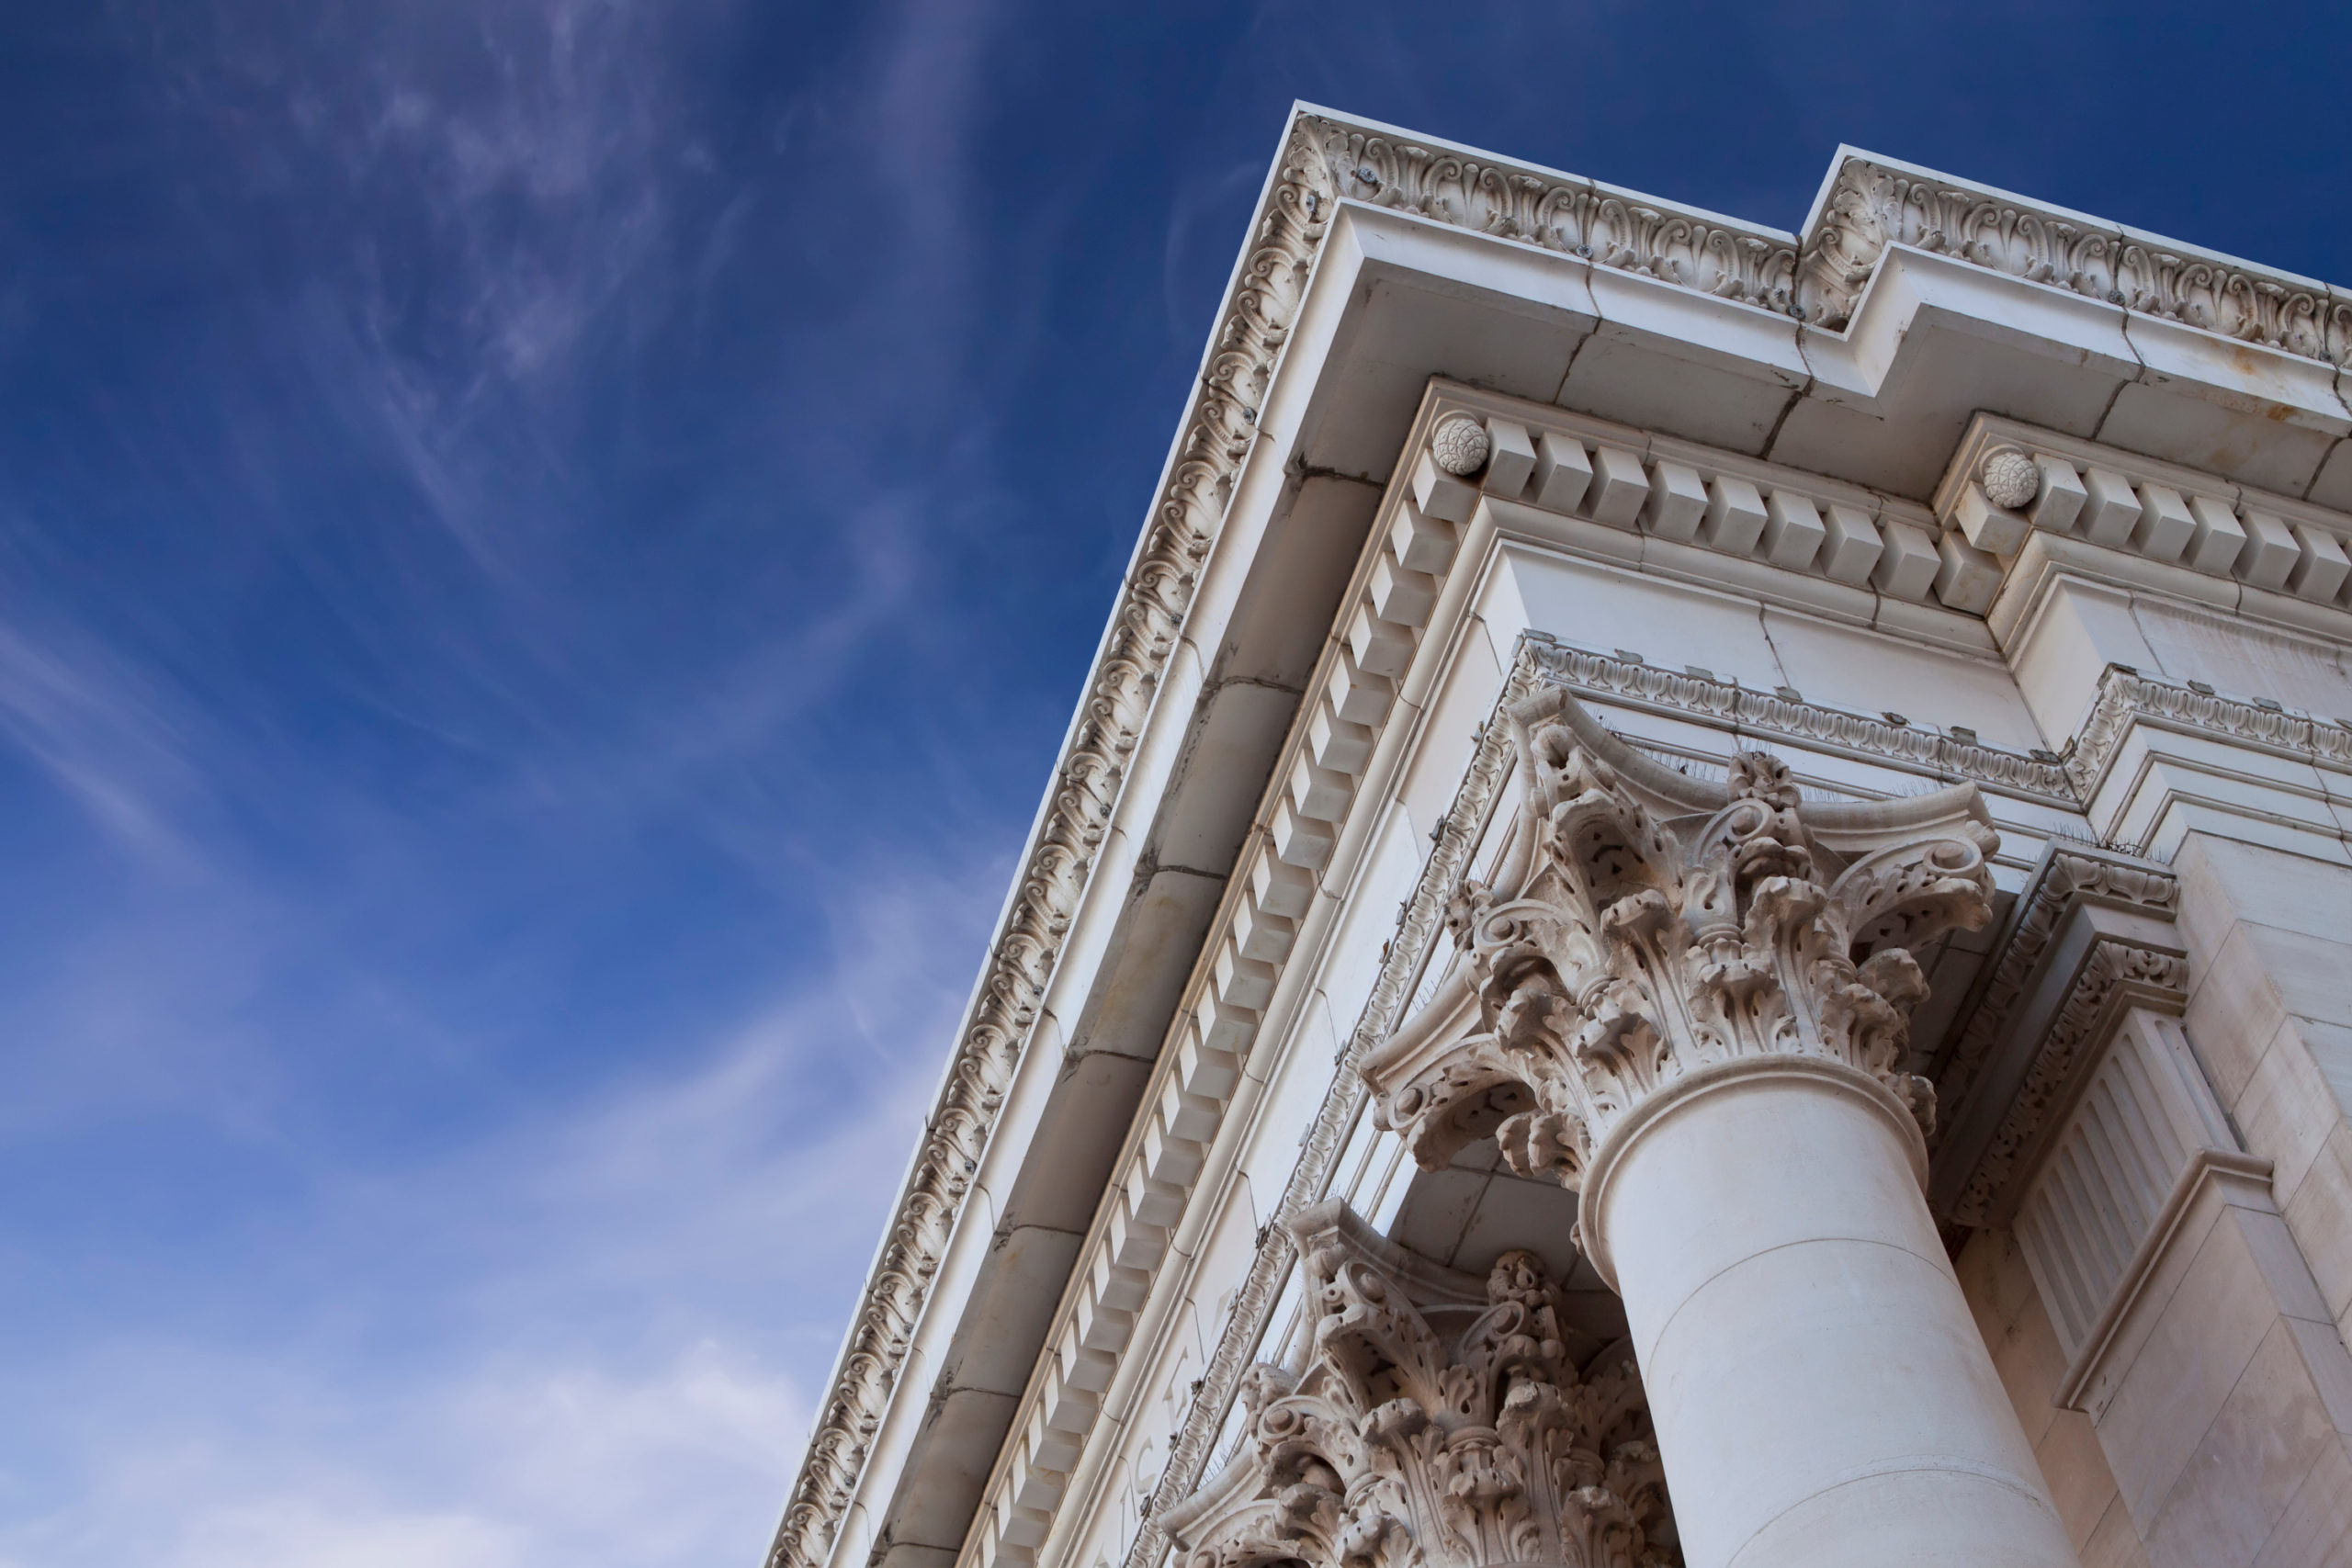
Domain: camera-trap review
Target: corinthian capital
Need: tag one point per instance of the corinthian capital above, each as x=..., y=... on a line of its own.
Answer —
x=1647, y=926
x=1439, y=1423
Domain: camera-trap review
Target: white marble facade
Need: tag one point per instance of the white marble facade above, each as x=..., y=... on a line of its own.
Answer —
x=1700, y=912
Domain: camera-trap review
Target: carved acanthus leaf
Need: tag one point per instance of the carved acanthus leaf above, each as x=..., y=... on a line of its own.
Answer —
x=1437, y=1424
x=1655, y=930
x=1611, y=229
x=1218, y=430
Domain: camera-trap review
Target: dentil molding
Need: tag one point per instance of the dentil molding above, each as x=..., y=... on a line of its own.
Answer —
x=1418, y=923
x=1325, y=160
x=2038, y=501
x=1217, y=429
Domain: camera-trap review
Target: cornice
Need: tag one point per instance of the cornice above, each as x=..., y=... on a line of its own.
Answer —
x=1741, y=710
x=2127, y=698
x=1422, y=918
x=1323, y=160
x=1518, y=201
x=1871, y=205
x=1213, y=438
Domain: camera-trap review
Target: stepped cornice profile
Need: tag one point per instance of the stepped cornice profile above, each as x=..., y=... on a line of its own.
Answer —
x=1870, y=204
x=1217, y=428
x=1421, y=926
x=1326, y=160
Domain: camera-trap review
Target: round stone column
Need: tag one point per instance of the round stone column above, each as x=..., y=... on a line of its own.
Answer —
x=1821, y=1393
x=1691, y=1003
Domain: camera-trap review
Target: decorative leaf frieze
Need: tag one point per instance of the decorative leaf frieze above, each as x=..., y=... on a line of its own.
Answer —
x=1322, y=161
x=1218, y=431
x=1744, y=708
x=2126, y=697
x=1870, y=207
x=1516, y=204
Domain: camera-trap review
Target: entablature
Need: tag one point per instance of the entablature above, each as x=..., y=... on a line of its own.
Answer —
x=1833, y=340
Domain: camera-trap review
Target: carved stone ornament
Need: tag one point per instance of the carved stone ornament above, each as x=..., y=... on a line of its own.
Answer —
x=2067, y=874
x=2011, y=479
x=1459, y=445
x=1646, y=925
x=1871, y=207
x=1437, y=1423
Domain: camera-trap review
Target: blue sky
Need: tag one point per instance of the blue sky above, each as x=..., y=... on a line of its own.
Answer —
x=546, y=547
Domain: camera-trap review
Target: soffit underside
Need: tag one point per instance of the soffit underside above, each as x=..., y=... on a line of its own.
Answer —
x=1929, y=338
x=1690, y=718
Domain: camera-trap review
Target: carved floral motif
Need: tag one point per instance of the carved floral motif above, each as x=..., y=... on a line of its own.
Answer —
x=2126, y=697
x=1218, y=432
x=1647, y=685
x=1433, y=1428
x=1323, y=161
x=1870, y=207
x=1654, y=929
x=1613, y=230
x=2011, y=477
x=1417, y=925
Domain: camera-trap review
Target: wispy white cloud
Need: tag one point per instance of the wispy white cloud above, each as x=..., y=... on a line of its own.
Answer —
x=522, y=1464
x=400, y=1271
x=114, y=741
x=599, y=1309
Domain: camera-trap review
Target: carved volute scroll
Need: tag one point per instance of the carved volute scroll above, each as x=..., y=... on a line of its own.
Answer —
x=1647, y=926
x=1439, y=1423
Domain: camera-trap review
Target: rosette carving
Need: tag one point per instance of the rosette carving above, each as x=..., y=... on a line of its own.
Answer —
x=1646, y=925
x=1437, y=1424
